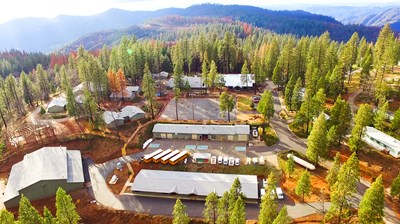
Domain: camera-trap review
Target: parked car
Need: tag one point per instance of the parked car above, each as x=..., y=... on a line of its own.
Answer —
x=226, y=160
x=255, y=99
x=237, y=161
x=231, y=161
x=254, y=132
x=213, y=160
x=219, y=159
x=279, y=193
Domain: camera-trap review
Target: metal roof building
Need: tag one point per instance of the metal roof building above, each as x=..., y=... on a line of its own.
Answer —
x=40, y=174
x=203, y=132
x=57, y=105
x=191, y=183
x=382, y=141
x=238, y=80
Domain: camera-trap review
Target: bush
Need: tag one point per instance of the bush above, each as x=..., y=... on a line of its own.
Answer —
x=42, y=110
x=270, y=136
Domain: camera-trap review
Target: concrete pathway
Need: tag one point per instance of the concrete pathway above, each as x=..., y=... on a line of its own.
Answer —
x=304, y=209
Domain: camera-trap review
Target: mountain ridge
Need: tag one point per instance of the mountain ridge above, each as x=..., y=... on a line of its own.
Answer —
x=45, y=35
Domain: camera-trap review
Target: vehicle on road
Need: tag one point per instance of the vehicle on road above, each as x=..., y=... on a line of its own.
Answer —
x=219, y=159
x=225, y=160
x=231, y=161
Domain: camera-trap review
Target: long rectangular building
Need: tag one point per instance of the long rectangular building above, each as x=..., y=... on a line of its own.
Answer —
x=202, y=132
x=192, y=183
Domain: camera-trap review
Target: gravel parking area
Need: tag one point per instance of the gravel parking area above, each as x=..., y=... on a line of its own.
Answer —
x=196, y=109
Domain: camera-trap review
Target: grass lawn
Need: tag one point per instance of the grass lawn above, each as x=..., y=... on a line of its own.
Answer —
x=244, y=103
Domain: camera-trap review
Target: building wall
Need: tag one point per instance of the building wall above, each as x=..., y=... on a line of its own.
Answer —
x=137, y=116
x=194, y=136
x=43, y=189
x=115, y=123
x=55, y=109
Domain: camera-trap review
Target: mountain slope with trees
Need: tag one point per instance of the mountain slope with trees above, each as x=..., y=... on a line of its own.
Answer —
x=39, y=34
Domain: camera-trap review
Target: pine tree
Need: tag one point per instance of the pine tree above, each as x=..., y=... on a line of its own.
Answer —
x=290, y=165
x=72, y=106
x=317, y=143
x=89, y=106
x=341, y=118
x=271, y=183
x=245, y=68
x=344, y=188
x=363, y=118
x=226, y=104
x=66, y=210
x=223, y=209
x=380, y=116
x=283, y=217
x=396, y=121
x=303, y=187
x=395, y=187
x=266, y=105
x=335, y=82
x=213, y=75
x=6, y=217
x=149, y=88
x=27, y=213
x=268, y=208
x=26, y=87
x=296, y=97
x=234, y=193
x=179, y=213
x=372, y=203
x=48, y=218
x=289, y=92
x=333, y=172
x=211, y=208
x=365, y=76
x=238, y=214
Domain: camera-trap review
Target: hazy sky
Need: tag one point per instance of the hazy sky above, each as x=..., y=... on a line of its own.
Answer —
x=11, y=9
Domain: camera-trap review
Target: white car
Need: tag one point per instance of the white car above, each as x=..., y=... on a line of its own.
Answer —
x=255, y=160
x=219, y=159
x=231, y=161
x=225, y=160
x=279, y=193
x=237, y=161
x=254, y=133
x=213, y=160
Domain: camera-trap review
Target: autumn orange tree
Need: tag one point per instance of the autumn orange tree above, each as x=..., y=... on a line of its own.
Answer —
x=117, y=81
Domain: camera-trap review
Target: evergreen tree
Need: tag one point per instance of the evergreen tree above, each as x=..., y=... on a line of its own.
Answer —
x=363, y=118
x=72, y=106
x=238, y=214
x=12, y=90
x=268, y=208
x=289, y=92
x=179, y=213
x=43, y=82
x=66, y=210
x=335, y=82
x=283, y=217
x=213, y=75
x=340, y=118
x=271, y=58
x=365, y=76
x=223, y=209
x=381, y=116
x=290, y=165
x=296, y=97
x=211, y=208
x=204, y=74
x=234, y=193
x=303, y=187
x=266, y=105
x=226, y=104
x=6, y=217
x=245, y=68
x=317, y=143
x=48, y=218
x=396, y=121
x=89, y=106
x=344, y=188
x=372, y=203
x=27, y=213
x=26, y=87
x=149, y=88
x=331, y=135
x=395, y=187
x=271, y=183
x=333, y=172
